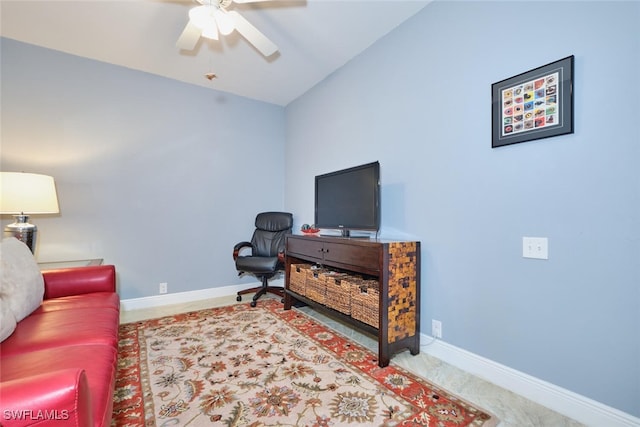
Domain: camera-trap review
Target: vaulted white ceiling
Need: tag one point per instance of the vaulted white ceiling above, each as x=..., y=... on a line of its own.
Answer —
x=315, y=37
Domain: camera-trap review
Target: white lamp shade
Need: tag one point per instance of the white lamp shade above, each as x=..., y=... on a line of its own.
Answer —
x=27, y=193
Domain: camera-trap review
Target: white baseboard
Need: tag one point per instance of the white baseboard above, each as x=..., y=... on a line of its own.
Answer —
x=568, y=403
x=573, y=405
x=187, y=297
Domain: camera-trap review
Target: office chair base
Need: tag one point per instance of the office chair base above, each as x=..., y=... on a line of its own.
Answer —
x=261, y=290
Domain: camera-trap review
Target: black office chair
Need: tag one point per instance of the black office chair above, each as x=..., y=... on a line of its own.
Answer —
x=267, y=252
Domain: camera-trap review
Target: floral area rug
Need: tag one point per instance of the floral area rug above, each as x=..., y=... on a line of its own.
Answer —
x=264, y=366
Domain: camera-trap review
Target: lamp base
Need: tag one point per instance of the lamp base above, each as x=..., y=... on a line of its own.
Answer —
x=22, y=230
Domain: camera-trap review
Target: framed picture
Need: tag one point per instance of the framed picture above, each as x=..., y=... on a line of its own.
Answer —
x=533, y=105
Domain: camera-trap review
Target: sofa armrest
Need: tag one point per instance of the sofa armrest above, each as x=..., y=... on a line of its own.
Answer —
x=60, y=398
x=79, y=280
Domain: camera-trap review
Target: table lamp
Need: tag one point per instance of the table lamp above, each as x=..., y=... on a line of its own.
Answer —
x=22, y=194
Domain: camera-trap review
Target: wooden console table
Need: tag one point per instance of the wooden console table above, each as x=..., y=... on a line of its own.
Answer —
x=396, y=266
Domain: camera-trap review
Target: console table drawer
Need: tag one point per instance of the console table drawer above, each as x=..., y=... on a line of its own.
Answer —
x=361, y=255
x=366, y=257
x=309, y=248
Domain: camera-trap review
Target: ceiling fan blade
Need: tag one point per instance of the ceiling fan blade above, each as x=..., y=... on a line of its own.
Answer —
x=189, y=37
x=253, y=36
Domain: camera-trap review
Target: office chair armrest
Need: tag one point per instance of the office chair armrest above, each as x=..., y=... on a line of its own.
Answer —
x=239, y=246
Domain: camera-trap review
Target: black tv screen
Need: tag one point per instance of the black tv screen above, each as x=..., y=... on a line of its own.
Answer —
x=349, y=199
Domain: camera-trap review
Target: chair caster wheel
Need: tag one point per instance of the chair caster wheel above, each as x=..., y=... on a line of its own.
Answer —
x=282, y=300
x=253, y=303
x=239, y=298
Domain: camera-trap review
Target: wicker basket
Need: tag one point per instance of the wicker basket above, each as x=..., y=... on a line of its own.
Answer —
x=298, y=278
x=338, y=292
x=316, y=285
x=365, y=302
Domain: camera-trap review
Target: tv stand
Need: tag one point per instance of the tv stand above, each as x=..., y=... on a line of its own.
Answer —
x=395, y=265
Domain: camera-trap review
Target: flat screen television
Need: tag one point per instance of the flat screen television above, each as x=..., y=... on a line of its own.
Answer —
x=349, y=199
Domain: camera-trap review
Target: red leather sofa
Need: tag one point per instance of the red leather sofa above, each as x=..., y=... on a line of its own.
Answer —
x=58, y=366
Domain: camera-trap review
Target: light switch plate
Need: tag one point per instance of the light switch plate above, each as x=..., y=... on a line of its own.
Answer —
x=535, y=247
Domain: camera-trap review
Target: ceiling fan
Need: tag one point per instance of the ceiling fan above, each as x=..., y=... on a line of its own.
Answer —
x=212, y=18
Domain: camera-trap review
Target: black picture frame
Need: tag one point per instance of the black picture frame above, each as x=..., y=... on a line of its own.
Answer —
x=533, y=105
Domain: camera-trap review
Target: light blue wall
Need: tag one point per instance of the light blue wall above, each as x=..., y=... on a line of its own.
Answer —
x=419, y=101
x=157, y=177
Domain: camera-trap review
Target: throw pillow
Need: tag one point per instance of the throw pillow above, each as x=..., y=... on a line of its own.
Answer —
x=7, y=320
x=21, y=282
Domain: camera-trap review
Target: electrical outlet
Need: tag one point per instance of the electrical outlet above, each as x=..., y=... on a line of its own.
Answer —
x=436, y=328
x=163, y=287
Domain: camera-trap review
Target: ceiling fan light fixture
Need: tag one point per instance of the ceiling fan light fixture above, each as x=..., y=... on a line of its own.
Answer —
x=210, y=32
x=203, y=18
x=213, y=19
x=225, y=23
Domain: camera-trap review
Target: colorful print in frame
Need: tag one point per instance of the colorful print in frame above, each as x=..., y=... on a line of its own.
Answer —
x=533, y=105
